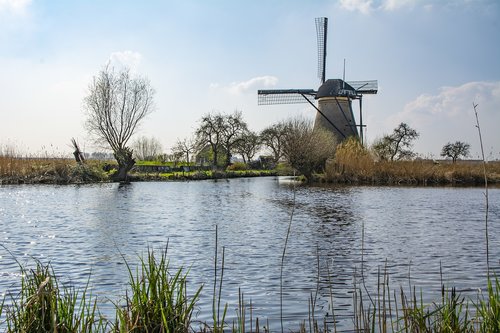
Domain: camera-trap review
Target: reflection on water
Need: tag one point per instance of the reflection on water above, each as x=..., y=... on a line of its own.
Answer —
x=90, y=229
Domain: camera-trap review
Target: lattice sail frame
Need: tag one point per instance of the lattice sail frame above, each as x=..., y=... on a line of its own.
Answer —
x=286, y=96
x=364, y=87
x=321, y=34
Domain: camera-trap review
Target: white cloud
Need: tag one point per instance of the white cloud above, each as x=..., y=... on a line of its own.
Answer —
x=125, y=59
x=449, y=116
x=454, y=101
x=14, y=6
x=392, y=5
x=368, y=6
x=253, y=84
x=363, y=6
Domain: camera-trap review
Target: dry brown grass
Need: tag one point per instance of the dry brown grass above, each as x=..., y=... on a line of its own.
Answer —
x=355, y=164
x=28, y=167
x=29, y=170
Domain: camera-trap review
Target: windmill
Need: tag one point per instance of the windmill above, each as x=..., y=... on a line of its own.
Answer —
x=335, y=96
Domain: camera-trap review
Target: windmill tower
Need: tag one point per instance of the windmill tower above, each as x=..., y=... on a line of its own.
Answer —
x=334, y=96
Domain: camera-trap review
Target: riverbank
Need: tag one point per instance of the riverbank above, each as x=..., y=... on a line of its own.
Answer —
x=356, y=171
x=416, y=172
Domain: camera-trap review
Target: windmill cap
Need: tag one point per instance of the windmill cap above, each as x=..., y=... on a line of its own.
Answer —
x=335, y=88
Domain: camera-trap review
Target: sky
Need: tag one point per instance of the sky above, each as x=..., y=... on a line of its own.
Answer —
x=432, y=60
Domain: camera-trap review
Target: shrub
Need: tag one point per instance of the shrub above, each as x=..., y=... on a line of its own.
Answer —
x=237, y=166
x=307, y=149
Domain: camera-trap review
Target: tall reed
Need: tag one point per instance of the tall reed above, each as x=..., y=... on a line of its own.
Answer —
x=218, y=322
x=158, y=300
x=44, y=305
x=29, y=170
x=354, y=163
x=485, y=192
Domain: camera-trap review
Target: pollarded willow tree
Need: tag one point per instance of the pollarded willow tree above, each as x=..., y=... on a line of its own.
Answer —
x=116, y=104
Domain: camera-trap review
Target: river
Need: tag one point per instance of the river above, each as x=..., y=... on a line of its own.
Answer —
x=413, y=232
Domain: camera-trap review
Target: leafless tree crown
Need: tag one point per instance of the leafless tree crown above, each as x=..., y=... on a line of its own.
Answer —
x=115, y=105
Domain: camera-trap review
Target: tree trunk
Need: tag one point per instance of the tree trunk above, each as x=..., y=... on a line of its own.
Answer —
x=228, y=159
x=79, y=157
x=125, y=163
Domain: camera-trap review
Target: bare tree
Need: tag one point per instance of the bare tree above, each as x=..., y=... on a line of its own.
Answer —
x=221, y=132
x=115, y=105
x=185, y=148
x=305, y=149
x=247, y=145
x=396, y=146
x=210, y=133
x=455, y=150
x=272, y=137
x=234, y=127
x=147, y=149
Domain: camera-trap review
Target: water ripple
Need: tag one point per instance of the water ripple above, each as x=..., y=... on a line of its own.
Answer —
x=411, y=233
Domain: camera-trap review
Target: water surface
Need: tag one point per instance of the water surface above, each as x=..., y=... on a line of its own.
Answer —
x=412, y=232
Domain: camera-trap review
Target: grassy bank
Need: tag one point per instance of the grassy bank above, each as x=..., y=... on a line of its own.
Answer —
x=354, y=164
x=157, y=300
x=348, y=167
x=27, y=170
x=420, y=172
x=200, y=175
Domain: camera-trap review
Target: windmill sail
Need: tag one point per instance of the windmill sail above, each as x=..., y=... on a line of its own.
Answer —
x=321, y=32
x=334, y=97
x=286, y=96
x=364, y=87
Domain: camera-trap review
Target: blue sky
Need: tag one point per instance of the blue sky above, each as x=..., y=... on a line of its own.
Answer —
x=432, y=60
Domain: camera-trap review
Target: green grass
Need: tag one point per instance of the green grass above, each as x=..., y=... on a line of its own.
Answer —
x=200, y=175
x=401, y=311
x=157, y=300
x=488, y=308
x=43, y=305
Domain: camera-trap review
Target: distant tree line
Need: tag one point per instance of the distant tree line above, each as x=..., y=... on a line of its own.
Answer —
x=219, y=137
x=117, y=102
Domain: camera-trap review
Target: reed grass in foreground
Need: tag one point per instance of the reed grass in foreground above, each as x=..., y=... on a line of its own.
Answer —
x=403, y=312
x=158, y=301
x=43, y=305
